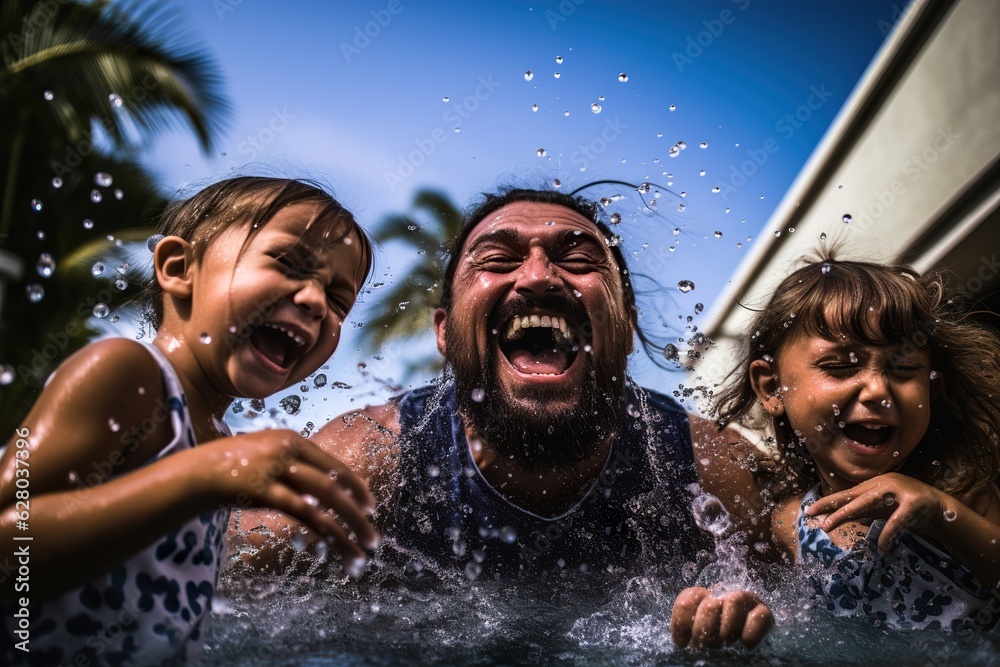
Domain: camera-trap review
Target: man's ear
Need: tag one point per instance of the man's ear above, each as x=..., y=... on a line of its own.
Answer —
x=440, y=325
x=764, y=380
x=172, y=261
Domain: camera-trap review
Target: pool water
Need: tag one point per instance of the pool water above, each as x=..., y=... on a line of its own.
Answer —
x=397, y=616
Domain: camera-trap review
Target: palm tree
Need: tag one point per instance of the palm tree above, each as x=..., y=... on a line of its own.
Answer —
x=407, y=308
x=83, y=87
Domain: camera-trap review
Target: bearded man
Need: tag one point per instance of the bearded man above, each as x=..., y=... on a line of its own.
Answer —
x=535, y=455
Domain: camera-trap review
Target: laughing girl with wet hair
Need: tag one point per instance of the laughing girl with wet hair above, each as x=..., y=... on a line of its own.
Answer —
x=883, y=396
x=130, y=469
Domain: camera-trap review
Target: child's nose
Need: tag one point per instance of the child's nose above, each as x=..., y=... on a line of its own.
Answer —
x=312, y=298
x=874, y=387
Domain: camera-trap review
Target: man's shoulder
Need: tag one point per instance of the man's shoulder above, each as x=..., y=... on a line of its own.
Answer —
x=662, y=402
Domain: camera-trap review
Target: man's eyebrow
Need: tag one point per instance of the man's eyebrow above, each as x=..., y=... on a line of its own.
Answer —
x=505, y=236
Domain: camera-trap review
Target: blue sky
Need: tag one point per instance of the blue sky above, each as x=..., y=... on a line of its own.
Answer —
x=382, y=98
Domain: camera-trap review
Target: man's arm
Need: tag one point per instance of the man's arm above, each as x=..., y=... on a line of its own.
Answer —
x=365, y=441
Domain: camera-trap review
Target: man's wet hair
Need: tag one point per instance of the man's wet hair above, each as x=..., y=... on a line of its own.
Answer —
x=491, y=202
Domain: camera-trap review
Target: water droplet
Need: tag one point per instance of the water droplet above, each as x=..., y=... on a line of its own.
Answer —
x=46, y=266
x=847, y=218
x=703, y=144
x=88, y=223
x=685, y=286
x=825, y=269
x=540, y=152
x=101, y=311
x=205, y=338
x=556, y=75
x=7, y=374
x=290, y=404
x=681, y=207
x=595, y=107
x=97, y=269
x=121, y=284
x=478, y=394
x=115, y=99
x=559, y=60
x=717, y=189
x=114, y=319
x=118, y=194
x=319, y=381
x=529, y=75
x=152, y=241
x=446, y=99
x=673, y=107
x=886, y=404
x=36, y=205
x=113, y=425
x=670, y=352
x=615, y=218
x=473, y=570
x=777, y=233
x=48, y=96
x=717, y=234
x=950, y=515
x=623, y=77
x=534, y=107
x=934, y=375
x=96, y=196
x=822, y=237
x=674, y=151
x=103, y=179
x=35, y=292
x=682, y=145
x=556, y=183
x=710, y=515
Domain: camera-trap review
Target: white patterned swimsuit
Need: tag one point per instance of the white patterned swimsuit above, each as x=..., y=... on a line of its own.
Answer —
x=914, y=586
x=148, y=610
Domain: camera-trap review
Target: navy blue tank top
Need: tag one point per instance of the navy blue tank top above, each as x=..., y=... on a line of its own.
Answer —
x=638, y=510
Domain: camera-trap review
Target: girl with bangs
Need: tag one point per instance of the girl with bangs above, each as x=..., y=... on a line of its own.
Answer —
x=884, y=399
x=120, y=479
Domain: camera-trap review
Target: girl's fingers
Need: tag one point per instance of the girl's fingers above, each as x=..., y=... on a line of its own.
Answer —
x=329, y=494
x=288, y=501
x=345, y=477
x=682, y=617
x=758, y=623
x=707, y=621
x=734, y=614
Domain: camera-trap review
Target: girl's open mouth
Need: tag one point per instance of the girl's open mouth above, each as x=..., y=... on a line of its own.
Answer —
x=869, y=435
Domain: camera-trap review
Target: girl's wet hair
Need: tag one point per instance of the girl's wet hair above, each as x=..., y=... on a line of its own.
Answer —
x=873, y=304
x=252, y=201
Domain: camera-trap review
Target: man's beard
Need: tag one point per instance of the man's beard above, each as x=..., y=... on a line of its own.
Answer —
x=542, y=436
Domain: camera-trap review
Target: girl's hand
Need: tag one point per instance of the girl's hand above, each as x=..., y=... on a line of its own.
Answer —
x=282, y=470
x=904, y=502
x=704, y=621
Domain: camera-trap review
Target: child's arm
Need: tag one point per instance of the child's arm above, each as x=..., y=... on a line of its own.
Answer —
x=92, y=421
x=968, y=528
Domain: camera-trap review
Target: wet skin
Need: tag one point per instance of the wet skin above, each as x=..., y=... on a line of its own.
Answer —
x=882, y=398
x=536, y=250
x=297, y=294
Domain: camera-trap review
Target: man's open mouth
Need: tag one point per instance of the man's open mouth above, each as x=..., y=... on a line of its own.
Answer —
x=540, y=344
x=280, y=344
x=869, y=435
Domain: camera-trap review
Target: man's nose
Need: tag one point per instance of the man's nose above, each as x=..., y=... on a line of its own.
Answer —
x=537, y=274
